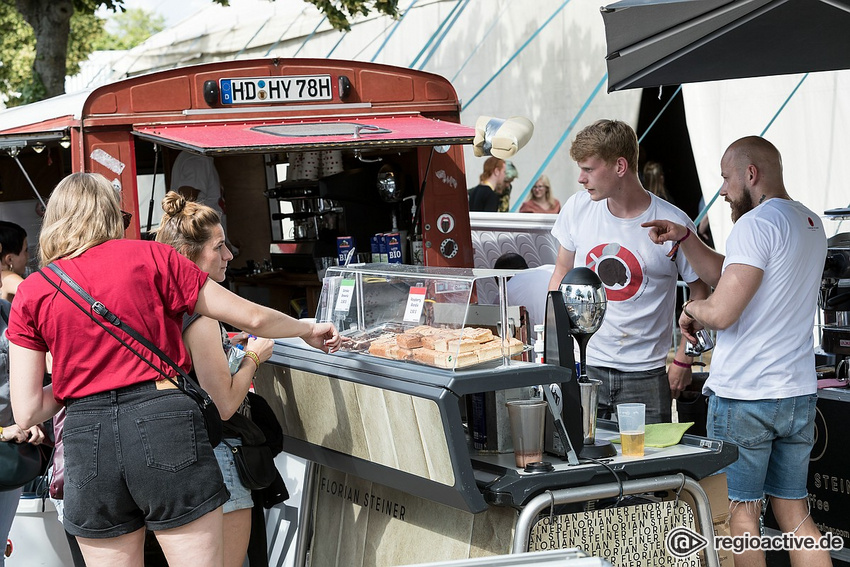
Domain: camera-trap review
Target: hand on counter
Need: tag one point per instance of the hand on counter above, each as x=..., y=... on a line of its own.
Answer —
x=323, y=336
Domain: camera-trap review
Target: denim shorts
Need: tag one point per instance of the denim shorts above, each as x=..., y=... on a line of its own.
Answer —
x=240, y=497
x=774, y=439
x=137, y=457
x=650, y=387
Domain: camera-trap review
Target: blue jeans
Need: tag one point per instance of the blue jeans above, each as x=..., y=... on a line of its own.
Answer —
x=649, y=387
x=136, y=457
x=774, y=439
x=240, y=497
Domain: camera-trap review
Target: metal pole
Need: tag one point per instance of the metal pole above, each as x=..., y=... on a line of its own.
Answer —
x=305, y=515
x=595, y=492
x=34, y=190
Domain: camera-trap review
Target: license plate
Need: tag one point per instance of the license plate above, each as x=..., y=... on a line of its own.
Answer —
x=276, y=89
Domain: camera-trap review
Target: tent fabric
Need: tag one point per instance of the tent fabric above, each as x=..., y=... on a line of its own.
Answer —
x=669, y=42
x=272, y=136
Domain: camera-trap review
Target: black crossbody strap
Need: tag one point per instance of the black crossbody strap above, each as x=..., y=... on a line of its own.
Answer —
x=113, y=319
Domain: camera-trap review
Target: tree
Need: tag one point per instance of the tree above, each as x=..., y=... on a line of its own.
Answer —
x=51, y=22
x=18, y=83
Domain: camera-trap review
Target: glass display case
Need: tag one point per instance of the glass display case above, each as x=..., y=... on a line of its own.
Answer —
x=423, y=315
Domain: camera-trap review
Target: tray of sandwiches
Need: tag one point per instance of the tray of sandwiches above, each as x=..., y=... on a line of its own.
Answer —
x=433, y=346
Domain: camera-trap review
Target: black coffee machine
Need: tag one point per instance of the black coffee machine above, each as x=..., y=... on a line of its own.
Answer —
x=574, y=312
x=834, y=300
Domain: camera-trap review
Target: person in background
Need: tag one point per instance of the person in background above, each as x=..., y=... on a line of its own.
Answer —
x=195, y=230
x=9, y=431
x=484, y=197
x=763, y=386
x=540, y=199
x=600, y=228
x=529, y=287
x=511, y=174
x=653, y=179
x=137, y=446
x=195, y=177
x=13, y=258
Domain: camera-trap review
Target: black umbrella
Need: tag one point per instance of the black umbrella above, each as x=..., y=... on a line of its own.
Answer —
x=669, y=42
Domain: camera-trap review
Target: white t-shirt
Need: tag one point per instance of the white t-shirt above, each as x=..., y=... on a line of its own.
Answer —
x=198, y=172
x=768, y=352
x=639, y=279
x=530, y=288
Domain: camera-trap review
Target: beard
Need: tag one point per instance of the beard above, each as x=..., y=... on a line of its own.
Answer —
x=742, y=206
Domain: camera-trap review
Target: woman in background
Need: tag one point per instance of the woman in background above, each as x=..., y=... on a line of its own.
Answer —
x=653, y=179
x=137, y=453
x=195, y=230
x=13, y=258
x=540, y=199
x=9, y=431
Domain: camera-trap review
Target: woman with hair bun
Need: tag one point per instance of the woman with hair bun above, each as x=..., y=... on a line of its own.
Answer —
x=137, y=454
x=195, y=231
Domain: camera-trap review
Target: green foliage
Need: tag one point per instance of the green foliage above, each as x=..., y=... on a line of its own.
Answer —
x=339, y=12
x=18, y=83
x=128, y=29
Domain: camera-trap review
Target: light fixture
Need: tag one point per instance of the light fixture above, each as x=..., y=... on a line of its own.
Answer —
x=38, y=147
x=65, y=142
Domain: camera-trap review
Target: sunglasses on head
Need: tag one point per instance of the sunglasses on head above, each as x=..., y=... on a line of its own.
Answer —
x=127, y=217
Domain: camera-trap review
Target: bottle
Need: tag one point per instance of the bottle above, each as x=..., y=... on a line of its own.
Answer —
x=539, y=345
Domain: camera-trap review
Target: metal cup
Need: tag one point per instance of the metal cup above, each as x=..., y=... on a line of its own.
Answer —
x=589, y=403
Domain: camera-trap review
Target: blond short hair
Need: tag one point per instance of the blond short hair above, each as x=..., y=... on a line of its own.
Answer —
x=608, y=140
x=84, y=210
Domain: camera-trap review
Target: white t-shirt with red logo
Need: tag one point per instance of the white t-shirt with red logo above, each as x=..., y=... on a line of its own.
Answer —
x=639, y=278
x=769, y=351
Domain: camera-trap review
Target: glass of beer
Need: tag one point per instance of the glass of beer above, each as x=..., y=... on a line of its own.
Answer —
x=632, y=421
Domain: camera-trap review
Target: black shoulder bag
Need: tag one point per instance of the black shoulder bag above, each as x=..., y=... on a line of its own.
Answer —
x=183, y=381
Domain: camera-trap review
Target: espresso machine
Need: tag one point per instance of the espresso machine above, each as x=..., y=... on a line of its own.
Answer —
x=574, y=312
x=834, y=300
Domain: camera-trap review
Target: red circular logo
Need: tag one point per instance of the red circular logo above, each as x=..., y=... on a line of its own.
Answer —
x=618, y=268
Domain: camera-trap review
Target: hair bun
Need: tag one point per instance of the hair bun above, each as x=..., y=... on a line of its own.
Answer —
x=173, y=203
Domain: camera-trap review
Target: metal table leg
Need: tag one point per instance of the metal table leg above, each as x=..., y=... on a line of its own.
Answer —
x=305, y=516
x=586, y=493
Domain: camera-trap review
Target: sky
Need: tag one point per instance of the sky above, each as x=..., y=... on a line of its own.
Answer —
x=174, y=11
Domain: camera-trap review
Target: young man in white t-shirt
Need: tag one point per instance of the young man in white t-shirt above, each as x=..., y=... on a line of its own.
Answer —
x=601, y=228
x=763, y=386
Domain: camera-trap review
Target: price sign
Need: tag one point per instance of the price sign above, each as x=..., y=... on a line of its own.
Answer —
x=415, y=303
x=346, y=293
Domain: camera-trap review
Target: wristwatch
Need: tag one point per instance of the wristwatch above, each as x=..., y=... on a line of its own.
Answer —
x=2, y=435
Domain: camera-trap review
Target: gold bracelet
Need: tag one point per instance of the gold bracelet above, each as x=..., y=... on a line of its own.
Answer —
x=253, y=356
x=2, y=437
x=685, y=309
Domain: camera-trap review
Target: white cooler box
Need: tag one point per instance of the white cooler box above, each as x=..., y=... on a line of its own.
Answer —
x=37, y=538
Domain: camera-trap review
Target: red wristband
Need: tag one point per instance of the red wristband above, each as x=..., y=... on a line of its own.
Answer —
x=681, y=364
x=687, y=234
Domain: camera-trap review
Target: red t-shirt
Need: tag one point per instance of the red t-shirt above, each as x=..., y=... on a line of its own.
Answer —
x=148, y=285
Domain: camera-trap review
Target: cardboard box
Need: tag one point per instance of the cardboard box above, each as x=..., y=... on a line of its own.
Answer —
x=718, y=498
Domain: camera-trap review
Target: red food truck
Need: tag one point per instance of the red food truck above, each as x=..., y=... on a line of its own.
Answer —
x=308, y=152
